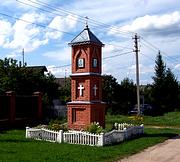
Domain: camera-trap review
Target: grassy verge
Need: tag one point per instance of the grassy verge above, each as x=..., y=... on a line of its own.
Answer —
x=14, y=147
x=171, y=119
x=168, y=119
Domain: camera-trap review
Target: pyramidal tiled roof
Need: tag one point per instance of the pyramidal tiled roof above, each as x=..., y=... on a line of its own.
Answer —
x=86, y=37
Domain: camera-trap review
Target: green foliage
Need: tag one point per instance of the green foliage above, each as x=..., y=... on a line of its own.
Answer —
x=165, y=89
x=119, y=97
x=24, y=80
x=58, y=124
x=136, y=119
x=110, y=86
x=126, y=95
x=65, y=91
x=94, y=128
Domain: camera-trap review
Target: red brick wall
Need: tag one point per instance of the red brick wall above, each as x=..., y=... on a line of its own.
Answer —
x=81, y=115
x=88, y=53
x=85, y=115
x=88, y=83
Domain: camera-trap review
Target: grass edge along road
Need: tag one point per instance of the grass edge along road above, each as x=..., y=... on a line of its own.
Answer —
x=15, y=147
x=171, y=119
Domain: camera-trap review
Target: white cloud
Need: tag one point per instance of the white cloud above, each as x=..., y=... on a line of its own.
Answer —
x=59, y=72
x=24, y=35
x=155, y=24
x=28, y=35
x=61, y=55
x=24, y=6
x=5, y=32
x=142, y=69
x=177, y=67
x=61, y=23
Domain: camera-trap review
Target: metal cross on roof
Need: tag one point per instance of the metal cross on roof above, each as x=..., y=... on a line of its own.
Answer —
x=86, y=21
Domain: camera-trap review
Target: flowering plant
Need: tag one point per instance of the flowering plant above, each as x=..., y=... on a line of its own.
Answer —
x=94, y=128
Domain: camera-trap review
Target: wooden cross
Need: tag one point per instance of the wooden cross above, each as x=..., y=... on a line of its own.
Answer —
x=81, y=88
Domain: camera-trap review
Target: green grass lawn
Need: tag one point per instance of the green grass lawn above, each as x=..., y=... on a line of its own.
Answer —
x=171, y=119
x=16, y=148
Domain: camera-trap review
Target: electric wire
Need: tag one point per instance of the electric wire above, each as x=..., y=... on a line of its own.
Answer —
x=37, y=24
x=91, y=21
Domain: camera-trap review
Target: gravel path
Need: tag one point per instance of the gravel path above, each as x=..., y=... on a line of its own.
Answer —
x=168, y=151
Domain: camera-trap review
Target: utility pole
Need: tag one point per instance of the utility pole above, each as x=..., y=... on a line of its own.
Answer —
x=136, y=50
x=23, y=56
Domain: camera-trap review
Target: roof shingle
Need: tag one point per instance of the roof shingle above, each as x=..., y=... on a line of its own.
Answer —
x=86, y=37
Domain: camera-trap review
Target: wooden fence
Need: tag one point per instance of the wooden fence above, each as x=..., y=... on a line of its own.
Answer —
x=85, y=138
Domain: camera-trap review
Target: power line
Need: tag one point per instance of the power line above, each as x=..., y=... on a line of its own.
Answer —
x=37, y=24
x=45, y=26
x=156, y=49
x=53, y=8
x=109, y=57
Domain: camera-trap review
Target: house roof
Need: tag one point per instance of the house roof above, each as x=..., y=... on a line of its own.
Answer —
x=62, y=81
x=86, y=37
x=40, y=68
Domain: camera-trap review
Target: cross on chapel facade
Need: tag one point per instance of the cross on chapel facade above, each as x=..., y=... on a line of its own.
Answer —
x=80, y=89
x=95, y=89
x=86, y=104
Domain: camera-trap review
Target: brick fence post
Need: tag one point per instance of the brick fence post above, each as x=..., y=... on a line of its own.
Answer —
x=39, y=95
x=12, y=106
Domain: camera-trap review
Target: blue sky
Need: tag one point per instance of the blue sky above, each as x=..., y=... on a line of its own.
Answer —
x=45, y=27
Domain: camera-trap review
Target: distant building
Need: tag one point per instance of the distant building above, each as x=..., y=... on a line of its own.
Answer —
x=40, y=69
x=62, y=81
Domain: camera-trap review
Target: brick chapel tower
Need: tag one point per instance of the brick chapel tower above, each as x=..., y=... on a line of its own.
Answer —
x=86, y=104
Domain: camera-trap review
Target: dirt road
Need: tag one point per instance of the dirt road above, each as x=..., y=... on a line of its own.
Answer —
x=168, y=151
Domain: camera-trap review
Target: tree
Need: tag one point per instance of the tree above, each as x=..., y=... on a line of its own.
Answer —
x=172, y=91
x=65, y=91
x=127, y=95
x=25, y=81
x=119, y=97
x=165, y=87
x=160, y=70
x=158, y=87
x=109, y=87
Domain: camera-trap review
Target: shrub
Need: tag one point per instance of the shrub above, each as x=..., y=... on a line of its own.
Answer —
x=57, y=125
x=137, y=119
x=94, y=128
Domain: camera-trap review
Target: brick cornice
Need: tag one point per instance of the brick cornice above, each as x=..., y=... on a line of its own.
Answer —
x=85, y=74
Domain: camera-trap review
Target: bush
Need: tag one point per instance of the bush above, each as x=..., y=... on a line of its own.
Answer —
x=94, y=128
x=137, y=119
x=57, y=125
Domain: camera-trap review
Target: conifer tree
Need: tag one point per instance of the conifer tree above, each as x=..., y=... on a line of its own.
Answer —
x=172, y=91
x=164, y=88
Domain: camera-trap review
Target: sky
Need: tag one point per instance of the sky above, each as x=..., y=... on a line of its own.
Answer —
x=43, y=28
